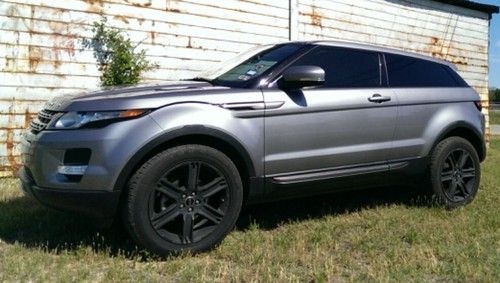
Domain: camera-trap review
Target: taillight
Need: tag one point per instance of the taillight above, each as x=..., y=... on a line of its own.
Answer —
x=479, y=105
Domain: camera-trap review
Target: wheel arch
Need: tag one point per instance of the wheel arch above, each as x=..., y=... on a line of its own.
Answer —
x=203, y=135
x=466, y=131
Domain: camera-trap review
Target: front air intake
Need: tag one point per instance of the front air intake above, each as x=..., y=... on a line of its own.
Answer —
x=42, y=120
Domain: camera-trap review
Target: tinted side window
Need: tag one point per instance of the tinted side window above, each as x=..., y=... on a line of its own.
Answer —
x=344, y=67
x=412, y=72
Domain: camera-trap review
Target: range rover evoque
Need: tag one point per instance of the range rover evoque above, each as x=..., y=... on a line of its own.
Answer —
x=177, y=160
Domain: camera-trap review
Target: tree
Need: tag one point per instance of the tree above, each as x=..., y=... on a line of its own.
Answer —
x=494, y=94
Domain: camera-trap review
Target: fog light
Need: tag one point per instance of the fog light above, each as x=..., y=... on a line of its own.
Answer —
x=72, y=170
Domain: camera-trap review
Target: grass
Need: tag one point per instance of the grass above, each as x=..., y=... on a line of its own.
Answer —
x=376, y=235
x=495, y=117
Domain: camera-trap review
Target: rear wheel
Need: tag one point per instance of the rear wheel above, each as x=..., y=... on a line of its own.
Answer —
x=186, y=198
x=455, y=172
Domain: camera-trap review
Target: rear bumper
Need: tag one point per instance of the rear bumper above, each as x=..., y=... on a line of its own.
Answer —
x=96, y=204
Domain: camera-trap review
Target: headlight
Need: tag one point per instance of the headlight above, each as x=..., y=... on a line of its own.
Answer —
x=75, y=120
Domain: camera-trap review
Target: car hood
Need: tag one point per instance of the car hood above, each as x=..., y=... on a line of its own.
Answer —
x=151, y=96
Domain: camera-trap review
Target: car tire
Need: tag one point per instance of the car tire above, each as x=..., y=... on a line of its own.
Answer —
x=454, y=172
x=184, y=199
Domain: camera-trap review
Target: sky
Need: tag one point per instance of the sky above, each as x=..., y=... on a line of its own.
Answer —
x=494, y=45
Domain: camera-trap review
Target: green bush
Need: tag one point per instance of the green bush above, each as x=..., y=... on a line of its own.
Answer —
x=118, y=60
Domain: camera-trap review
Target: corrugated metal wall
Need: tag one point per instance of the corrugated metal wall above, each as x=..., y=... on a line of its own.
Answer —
x=41, y=55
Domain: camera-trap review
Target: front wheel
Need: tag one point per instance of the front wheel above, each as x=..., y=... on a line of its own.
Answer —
x=455, y=172
x=186, y=198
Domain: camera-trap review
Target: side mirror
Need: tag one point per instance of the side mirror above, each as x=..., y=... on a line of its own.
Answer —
x=302, y=76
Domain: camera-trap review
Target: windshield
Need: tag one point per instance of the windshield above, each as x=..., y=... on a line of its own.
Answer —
x=247, y=67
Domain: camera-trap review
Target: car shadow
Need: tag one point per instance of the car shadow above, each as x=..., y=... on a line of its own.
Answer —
x=25, y=222
x=268, y=216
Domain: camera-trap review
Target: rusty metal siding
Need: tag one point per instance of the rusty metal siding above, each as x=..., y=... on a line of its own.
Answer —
x=41, y=55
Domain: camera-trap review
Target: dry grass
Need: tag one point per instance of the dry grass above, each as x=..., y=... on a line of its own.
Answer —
x=377, y=235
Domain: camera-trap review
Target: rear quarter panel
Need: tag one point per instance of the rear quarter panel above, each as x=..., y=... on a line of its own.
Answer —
x=424, y=113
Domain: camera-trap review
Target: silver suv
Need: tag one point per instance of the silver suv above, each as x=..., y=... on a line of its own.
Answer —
x=178, y=160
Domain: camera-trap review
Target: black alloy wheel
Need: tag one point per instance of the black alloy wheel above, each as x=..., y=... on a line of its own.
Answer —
x=186, y=198
x=458, y=175
x=189, y=202
x=455, y=172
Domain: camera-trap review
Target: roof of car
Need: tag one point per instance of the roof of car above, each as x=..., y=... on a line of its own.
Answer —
x=362, y=46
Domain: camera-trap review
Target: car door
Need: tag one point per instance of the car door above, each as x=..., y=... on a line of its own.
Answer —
x=348, y=123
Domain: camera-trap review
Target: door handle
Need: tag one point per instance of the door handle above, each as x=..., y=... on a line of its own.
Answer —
x=377, y=98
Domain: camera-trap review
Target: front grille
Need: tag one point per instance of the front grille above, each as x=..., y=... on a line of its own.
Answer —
x=40, y=122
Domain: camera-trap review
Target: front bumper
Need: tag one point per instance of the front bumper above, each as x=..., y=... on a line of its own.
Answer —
x=96, y=204
x=93, y=193
x=109, y=150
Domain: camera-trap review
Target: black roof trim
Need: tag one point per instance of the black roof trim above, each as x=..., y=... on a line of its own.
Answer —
x=490, y=9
